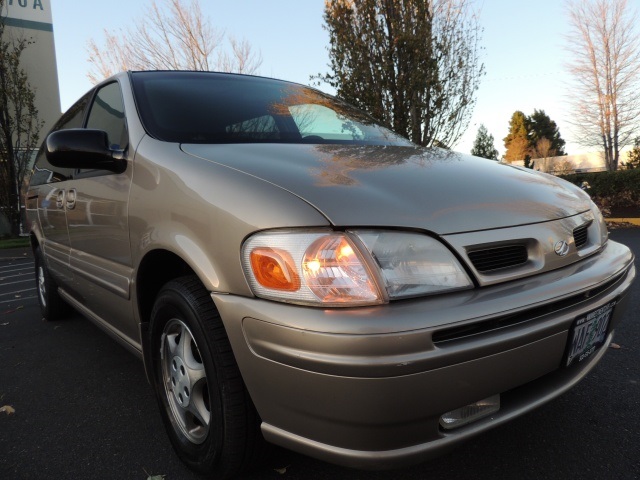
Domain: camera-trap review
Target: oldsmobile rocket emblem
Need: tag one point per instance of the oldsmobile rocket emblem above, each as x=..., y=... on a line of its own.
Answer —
x=561, y=248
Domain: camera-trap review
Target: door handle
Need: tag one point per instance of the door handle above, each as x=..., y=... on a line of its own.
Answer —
x=60, y=199
x=71, y=199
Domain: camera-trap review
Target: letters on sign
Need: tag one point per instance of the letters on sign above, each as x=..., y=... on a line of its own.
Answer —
x=34, y=4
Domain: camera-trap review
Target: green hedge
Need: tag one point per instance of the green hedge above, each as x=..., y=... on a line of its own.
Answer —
x=619, y=189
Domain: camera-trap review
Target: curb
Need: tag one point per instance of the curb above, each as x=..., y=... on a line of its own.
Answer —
x=633, y=221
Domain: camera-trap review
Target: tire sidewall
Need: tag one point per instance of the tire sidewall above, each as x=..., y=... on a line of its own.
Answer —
x=170, y=304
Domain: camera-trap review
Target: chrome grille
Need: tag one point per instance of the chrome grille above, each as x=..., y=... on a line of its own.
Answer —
x=498, y=257
x=580, y=235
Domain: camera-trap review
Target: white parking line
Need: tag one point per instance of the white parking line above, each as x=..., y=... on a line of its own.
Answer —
x=15, y=300
x=3, y=278
x=24, y=271
x=14, y=265
x=17, y=291
x=20, y=298
x=15, y=271
x=21, y=281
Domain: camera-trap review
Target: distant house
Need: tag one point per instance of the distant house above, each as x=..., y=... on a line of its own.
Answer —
x=581, y=162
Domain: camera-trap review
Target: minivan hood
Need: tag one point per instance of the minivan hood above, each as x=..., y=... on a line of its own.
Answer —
x=409, y=187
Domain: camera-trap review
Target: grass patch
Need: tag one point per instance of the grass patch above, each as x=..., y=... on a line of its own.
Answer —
x=14, y=242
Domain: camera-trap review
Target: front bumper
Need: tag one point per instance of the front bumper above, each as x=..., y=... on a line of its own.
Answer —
x=365, y=387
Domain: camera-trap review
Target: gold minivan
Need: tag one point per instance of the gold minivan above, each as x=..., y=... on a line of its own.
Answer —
x=291, y=271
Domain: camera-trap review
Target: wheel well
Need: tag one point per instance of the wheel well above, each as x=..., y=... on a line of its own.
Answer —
x=156, y=269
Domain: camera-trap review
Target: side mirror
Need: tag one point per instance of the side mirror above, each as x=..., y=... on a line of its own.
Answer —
x=83, y=148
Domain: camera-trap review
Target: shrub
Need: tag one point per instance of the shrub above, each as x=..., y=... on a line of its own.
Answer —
x=620, y=189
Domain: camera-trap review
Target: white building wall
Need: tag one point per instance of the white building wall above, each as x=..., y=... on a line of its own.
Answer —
x=32, y=19
x=582, y=162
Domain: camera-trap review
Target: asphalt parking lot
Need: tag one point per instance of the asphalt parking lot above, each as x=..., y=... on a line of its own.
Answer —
x=84, y=410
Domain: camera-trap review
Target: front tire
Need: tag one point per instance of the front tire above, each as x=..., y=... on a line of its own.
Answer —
x=205, y=406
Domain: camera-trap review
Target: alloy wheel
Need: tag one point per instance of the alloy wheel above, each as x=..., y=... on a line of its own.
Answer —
x=185, y=381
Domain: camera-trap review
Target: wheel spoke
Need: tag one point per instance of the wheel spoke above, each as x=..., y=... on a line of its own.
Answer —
x=196, y=374
x=171, y=341
x=184, y=342
x=199, y=406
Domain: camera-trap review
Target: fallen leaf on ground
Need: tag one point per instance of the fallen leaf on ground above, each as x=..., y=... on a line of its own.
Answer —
x=8, y=409
x=4, y=324
x=153, y=477
x=615, y=346
x=282, y=470
x=14, y=310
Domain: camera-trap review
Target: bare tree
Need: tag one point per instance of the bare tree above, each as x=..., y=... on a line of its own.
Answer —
x=605, y=46
x=542, y=152
x=178, y=37
x=563, y=167
x=241, y=58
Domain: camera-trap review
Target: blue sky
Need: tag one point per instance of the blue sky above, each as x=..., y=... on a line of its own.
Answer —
x=522, y=50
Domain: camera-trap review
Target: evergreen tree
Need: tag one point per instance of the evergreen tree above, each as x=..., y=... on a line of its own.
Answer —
x=532, y=137
x=484, y=146
x=412, y=64
x=517, y=142
x=633, y=158
x=541, y=126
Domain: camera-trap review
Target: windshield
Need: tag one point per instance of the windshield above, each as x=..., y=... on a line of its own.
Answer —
x=202, y=107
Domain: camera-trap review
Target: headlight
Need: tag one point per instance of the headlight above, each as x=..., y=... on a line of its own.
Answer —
x=348, y=269
x=414, y=264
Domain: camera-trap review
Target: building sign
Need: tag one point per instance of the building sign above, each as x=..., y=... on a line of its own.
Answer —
x=30, y=14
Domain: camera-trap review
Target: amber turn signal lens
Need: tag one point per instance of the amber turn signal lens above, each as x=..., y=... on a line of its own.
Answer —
x=274, y=268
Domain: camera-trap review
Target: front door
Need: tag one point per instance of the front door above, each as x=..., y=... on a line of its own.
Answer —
x=48, y=193
x=98, y=226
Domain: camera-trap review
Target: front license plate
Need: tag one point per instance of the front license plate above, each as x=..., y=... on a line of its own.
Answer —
x=588, y=334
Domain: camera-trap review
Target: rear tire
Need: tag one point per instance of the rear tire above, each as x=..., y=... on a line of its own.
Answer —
x=52, y=306
x=211, y=421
